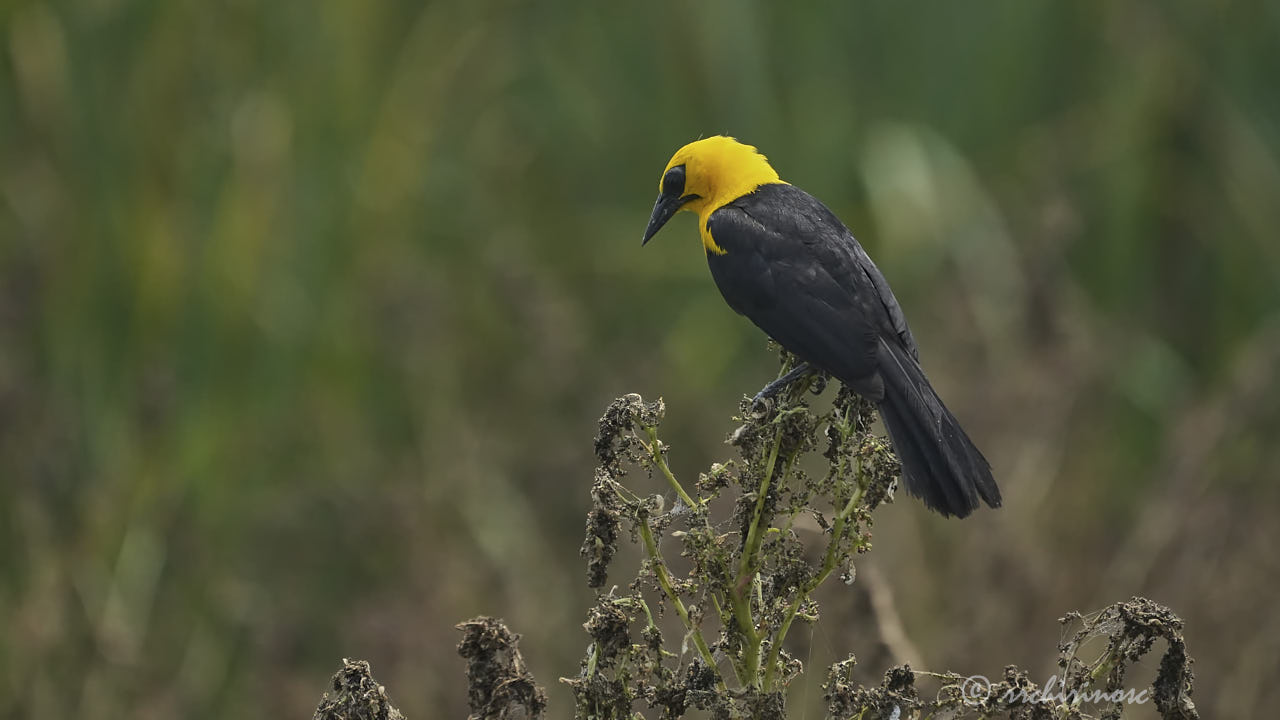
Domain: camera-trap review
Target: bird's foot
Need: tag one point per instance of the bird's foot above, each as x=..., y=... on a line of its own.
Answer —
x=781, y=383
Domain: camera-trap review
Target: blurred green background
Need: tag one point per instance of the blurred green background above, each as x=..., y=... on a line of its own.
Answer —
x=308, y=310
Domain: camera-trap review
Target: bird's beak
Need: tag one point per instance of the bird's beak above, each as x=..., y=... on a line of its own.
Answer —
x=666, y=206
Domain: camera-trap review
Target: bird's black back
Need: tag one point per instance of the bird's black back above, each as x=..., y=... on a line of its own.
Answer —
x=797, y=272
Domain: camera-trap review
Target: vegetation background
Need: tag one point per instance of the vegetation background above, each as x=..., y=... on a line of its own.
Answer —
x=308, y=310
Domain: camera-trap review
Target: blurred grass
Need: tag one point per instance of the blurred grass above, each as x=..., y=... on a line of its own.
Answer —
x=307, y=311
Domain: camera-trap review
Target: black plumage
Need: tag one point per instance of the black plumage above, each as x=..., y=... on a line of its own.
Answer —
x=791, y=267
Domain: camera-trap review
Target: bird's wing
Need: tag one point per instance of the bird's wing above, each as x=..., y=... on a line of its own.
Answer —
x=890, y=303
x=796, y=215
x=790, y=270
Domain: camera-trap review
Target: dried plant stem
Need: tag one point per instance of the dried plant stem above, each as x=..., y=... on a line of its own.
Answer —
x=664, y=581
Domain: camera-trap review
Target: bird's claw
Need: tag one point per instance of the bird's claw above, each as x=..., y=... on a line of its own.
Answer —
x=761, y=404
x=782, y=383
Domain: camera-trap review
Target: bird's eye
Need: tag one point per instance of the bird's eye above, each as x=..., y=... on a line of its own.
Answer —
x=673, y=182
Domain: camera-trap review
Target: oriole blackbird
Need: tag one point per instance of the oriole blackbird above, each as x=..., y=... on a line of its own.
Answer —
x=783, y=260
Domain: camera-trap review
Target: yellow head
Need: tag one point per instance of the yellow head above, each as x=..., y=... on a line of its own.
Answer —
x=705, y=175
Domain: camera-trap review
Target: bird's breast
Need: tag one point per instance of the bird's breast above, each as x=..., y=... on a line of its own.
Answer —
x=745, y=280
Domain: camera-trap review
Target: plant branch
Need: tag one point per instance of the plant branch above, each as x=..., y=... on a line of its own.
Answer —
x=748, y=567
x=664, y=581
x=654, y=448
x=828, y=566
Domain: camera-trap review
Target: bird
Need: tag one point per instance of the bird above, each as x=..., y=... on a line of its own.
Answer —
x=784, y=260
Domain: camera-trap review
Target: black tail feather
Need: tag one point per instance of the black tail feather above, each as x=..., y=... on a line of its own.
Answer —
x=940, y=464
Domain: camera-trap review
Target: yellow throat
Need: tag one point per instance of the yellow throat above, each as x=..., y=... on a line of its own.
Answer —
x=719, y=170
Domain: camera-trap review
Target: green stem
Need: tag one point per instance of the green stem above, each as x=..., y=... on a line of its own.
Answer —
x=733, y=662
x=664, y=581
x=751, y=639
x=771, y=663
x=747, y=568
x=654, y=447
x=752, y=547
x=647, y=613
x=828, y=566
x=799, y=507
